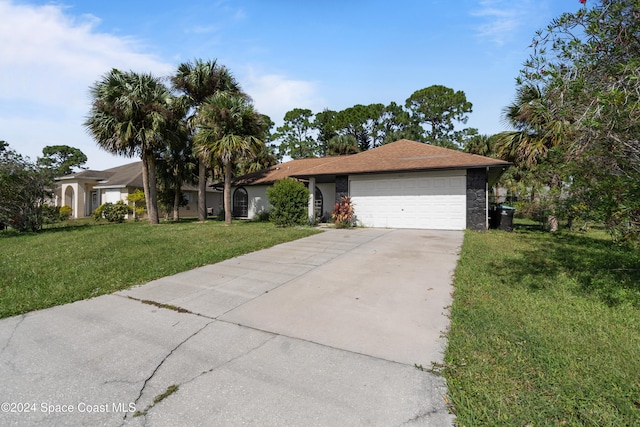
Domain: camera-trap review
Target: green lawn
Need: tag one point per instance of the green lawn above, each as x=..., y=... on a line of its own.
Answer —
x=545, y=330
x=70, y=263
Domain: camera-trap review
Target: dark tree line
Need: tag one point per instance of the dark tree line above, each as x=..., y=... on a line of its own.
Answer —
x=429, y=115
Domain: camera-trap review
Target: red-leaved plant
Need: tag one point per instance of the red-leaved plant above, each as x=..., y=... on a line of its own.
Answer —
x=343, y=213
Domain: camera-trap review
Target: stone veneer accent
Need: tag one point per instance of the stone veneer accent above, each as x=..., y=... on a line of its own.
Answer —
x=476, y=199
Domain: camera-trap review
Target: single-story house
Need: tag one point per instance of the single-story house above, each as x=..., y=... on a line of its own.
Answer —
x=84, y=191
x=404, y=184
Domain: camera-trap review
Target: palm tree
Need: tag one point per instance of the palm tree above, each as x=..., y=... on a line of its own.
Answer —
x=540, y=133
x=199, y=80
x=130, y=114
x=341, y=145
x=265, y=158
x=227, y=129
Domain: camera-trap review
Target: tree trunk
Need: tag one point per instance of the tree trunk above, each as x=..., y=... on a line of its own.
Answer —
x=177, y=198
x=555, y=189
x=227, y=193
x=145, y=184
x=202, y=190
x=152, y=204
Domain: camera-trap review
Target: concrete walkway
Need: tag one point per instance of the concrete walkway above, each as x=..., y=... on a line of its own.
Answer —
x=323, y=331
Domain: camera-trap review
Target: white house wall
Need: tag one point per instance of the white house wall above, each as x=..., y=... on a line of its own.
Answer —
x=428, y=200
x=328, y=190
x=258, y=201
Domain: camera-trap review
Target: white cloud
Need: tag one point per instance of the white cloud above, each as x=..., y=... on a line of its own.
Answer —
x=501, y=19
x=275, y=94
x=48, y=60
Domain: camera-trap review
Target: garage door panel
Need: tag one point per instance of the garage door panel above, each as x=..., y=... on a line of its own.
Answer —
x=421, y=201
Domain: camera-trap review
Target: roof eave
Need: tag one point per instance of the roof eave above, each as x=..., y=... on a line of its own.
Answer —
x=419, y=169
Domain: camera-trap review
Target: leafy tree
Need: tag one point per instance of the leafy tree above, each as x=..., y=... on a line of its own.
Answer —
x=199, y=80
x=138, y=200
x=295, y=135
x=131, y=114
x=482, y=145
x=363, y=123
x=228, y=129
x=61, y=159
x=396, y=124
x=325, y=123
x=440, y=108
x=587, y=65
x=176, y=164
x=289, y=199
x=24, y=189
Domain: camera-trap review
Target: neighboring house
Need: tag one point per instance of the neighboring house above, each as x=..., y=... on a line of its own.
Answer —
x=404, y=184
x=84, y=191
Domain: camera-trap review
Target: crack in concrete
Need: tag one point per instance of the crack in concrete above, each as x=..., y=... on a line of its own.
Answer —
x=226, y=362
x=164, y=359
x=233, y=359
x=421, y=416
x=22, y=317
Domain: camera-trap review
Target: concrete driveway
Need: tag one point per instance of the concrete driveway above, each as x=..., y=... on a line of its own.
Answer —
x=324, y=331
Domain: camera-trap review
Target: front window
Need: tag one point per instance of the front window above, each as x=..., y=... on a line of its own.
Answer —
x=240, y=203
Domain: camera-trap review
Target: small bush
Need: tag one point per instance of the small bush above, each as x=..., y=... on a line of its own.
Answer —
x=65, y=213
x=112, y=212
x=262, y=216
x=290, y=201
x=343, y=213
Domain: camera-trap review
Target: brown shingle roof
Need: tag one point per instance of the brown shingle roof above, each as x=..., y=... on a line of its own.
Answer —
x=281, y=171
x=129, y=175
x=399, y=156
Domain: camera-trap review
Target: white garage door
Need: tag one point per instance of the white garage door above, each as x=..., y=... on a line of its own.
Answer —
x=435, y=200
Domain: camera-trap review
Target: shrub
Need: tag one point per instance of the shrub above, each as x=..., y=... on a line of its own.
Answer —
x=343, y=213
x=112, y=212
x=50, y=214
x=262, y=216
x=53, y=214
x=65, y=213
x=290, y=201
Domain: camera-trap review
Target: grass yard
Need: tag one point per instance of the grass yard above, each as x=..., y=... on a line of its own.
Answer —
x=65, y=264
x=545, y=331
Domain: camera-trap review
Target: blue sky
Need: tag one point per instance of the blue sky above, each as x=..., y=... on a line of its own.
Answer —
x=285, y=53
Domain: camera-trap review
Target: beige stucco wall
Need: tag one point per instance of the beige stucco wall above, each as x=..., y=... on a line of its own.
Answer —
x=76, y=195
